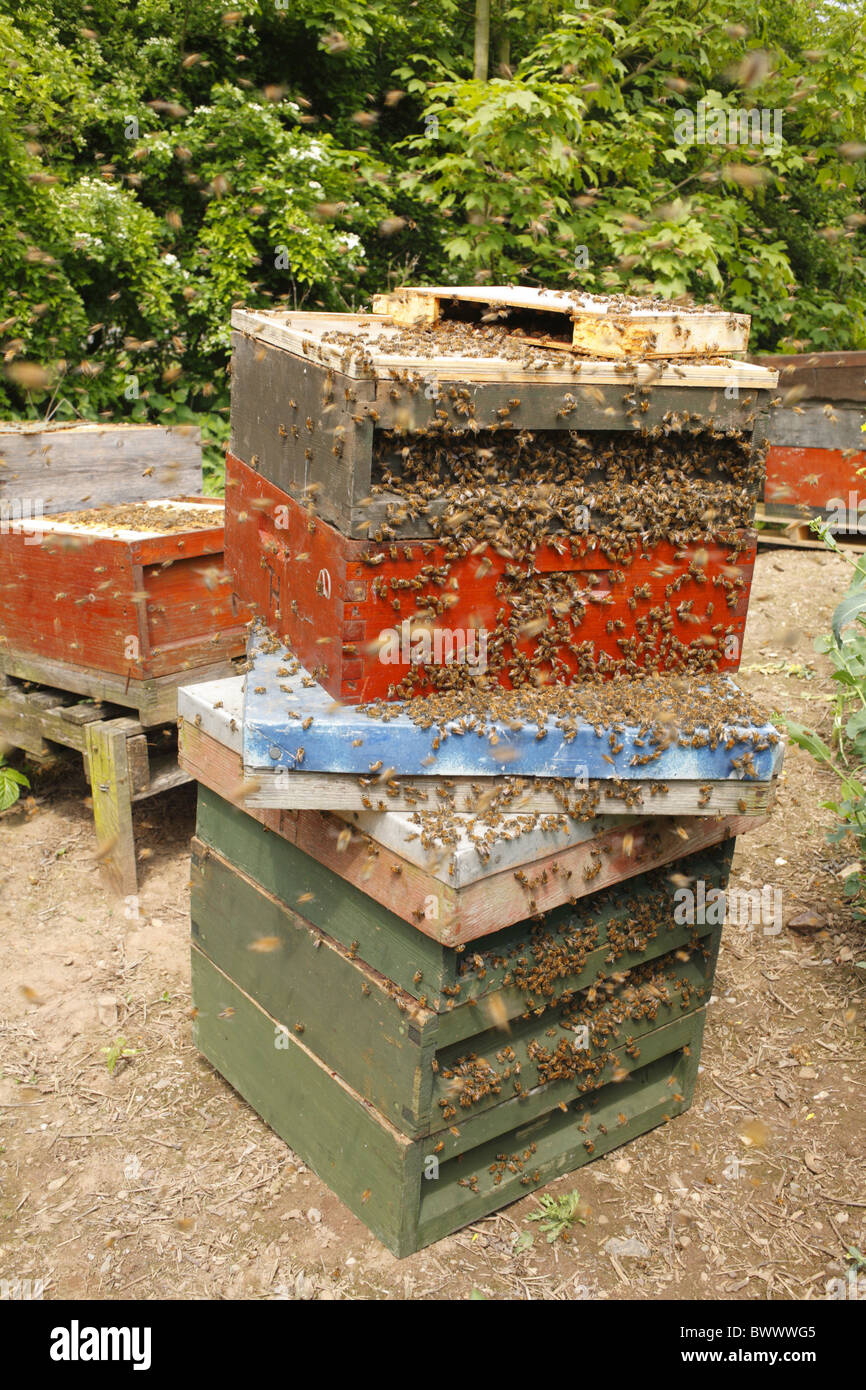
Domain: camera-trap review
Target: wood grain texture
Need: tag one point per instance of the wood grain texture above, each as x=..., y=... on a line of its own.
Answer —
x=816, y=427
x=138, y=607
x=341, y=792
x=375, y=1170
x=66, y=467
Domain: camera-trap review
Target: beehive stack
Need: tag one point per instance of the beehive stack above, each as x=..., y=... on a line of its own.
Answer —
x=469, y=978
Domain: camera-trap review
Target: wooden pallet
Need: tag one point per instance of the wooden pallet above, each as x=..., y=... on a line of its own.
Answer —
x=119, y=760
x=589, y=324
x=778, y=527
x=404, y=1192
x=668, y=607
x=304, y=410
x=154, y=701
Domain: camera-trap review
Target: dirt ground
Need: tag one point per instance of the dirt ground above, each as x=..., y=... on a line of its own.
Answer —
x=159, y=1182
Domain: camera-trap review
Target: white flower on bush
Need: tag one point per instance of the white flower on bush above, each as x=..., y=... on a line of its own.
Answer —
x=169, y=259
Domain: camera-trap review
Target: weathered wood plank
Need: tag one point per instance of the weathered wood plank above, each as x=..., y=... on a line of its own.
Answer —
x=291, y=422
x=382, y=1043
x=279, y=329
x=111, y=790
x=341, y=792
x=340, y=908
x=65, y=467
x=412, y=952
x=456, y=908
x=816, y=427
x=368, y=1162
x=822, y=376
x=155, y=701
x=562, y=1142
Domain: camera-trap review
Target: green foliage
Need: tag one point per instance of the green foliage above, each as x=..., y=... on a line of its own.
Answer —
x=578, y=148
x=116, y=1052
x=11, y=783
x=558, y=1214
x=160, y=163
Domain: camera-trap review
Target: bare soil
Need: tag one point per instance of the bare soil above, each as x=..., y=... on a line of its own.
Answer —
x=158, y=1181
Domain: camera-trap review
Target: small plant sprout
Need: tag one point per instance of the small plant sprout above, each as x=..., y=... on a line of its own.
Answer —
x=118, y=1051
x=558, y=1214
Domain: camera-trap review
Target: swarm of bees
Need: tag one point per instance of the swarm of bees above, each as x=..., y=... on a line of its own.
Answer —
x=517, y=488
x=549, y=963
x=606, y=1010
x=145, y=516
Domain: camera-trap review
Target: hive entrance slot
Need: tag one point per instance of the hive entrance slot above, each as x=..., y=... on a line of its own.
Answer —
x=536, y=325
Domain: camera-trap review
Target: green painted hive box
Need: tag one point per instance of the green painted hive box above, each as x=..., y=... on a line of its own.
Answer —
x=427, y=1084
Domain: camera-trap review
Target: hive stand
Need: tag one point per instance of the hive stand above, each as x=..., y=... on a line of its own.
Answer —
x=118, y=760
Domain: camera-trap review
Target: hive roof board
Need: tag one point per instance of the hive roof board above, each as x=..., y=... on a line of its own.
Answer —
x=302, y=335
x=321, y=765
x=216, y=709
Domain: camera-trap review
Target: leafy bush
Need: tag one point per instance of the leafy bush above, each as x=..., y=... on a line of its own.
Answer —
x=160, y=163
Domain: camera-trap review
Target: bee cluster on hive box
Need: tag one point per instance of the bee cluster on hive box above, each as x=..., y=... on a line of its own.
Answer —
x=574, y=1010
x=136, y=593
x=484, y=863
x=387, y=485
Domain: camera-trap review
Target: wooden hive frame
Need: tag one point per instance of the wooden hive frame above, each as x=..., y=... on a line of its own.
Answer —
x=118, y=614
x=597, y=325
x=122, y=760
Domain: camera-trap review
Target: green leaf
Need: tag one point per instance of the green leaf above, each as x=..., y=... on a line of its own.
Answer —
x=846, y=612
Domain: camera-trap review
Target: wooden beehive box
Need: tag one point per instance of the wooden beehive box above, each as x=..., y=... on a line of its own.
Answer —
x=351, y=611
x=618, y=326
x=816, y=446
x=453, y=882
x=121, y=601
x=435, y=1055
x=321, y=403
